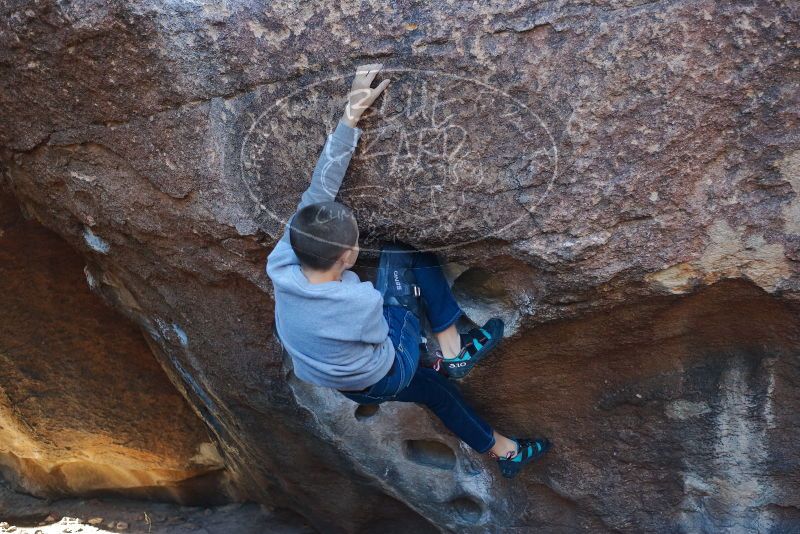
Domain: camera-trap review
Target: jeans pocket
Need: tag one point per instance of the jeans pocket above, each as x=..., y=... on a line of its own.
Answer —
x=386, y=385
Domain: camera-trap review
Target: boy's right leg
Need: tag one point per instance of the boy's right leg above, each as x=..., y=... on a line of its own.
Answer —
x=430, y=388
x=441, y=307
x=442, y=397
x=405, y=274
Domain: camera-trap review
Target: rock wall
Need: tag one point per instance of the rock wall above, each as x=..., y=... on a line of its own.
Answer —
x=617, y=180
x=681, y=406
x=85, y=408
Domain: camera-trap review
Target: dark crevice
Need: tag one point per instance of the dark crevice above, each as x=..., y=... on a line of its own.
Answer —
x=467, y=509
x=430, y=453
x=365, y=411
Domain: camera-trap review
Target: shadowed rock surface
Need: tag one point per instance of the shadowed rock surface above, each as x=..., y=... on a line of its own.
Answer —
x=618, y=181
x=28, y=515
x=84, y=407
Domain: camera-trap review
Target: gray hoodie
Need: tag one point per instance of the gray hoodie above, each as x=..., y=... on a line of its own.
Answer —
x=335, y=332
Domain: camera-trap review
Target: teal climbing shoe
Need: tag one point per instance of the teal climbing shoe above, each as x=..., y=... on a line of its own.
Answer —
x=476, y=345
x=527, y=451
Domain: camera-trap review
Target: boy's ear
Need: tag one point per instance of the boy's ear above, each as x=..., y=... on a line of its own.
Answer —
x=345, y=256
x=348, y=256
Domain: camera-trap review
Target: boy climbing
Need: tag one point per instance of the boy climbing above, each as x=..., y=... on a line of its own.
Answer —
x=364, y=339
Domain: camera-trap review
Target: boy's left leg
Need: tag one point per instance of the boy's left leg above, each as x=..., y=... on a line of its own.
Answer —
x=461, y=352
x=404, y=274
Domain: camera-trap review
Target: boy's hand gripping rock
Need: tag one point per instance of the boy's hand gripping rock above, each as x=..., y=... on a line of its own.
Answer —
x=362, y=94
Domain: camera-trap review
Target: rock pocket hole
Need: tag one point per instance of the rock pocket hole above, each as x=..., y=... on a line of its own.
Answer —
x=467, y=509
x=365, y=411
x=483, y=294
x=431, y=453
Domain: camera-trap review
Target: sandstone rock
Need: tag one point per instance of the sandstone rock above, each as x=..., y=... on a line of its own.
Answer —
x=631, y=211
x=84, y=405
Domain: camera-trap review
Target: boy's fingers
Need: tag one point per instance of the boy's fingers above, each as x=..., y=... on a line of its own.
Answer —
x=375, y=93
x=363, y=69
x=381, y=87
x=373, y=72
x=367, y=73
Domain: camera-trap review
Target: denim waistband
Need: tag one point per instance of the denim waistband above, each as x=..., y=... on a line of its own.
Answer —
x=390, y=371
x=404, y=332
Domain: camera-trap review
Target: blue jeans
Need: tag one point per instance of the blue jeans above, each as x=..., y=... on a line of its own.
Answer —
x=406, y=381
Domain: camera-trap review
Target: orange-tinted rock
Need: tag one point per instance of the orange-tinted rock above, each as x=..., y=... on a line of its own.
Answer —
x=84, y=405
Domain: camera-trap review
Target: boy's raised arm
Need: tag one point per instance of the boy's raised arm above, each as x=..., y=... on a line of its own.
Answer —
x=331, y=165
x=339, y=148
x=337, y=152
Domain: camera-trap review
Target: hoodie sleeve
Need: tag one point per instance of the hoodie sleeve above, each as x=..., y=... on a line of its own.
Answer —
x=325, y=182
x=374, y=329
